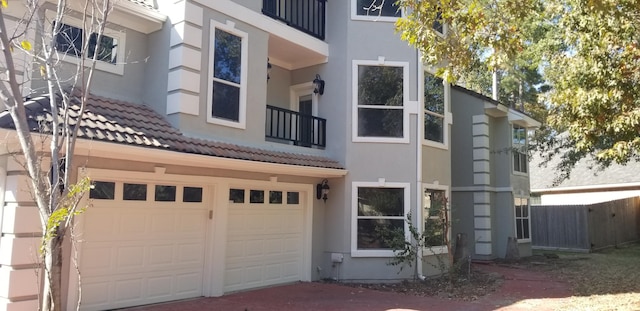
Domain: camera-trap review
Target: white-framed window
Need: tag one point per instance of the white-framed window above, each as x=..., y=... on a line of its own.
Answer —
x=523, y=219
x=375, y=10
x=436, y=117
x=435, y=204
x=380, y=95
x=69, y=44
x=519, y=149
x=227, y=96
x=379, y=214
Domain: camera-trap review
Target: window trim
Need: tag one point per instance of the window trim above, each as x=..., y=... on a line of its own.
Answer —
x=242, y=105
x=371, y=18
x=405, y=101
x=435, y=250
x=447, y=117
x=121, y=36
x=513, y=150
x=515, y=218
x=355, y=252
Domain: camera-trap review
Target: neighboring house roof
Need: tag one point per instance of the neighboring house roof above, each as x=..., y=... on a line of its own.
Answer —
x=127, y=123
x=585, y=175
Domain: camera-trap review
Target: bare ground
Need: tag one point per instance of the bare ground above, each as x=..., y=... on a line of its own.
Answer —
x=605, y=280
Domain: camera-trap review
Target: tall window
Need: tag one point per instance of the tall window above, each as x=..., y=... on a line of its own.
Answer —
x=523, y=230
x=519, y=149
x=384, y=10
x=228, y=76
x=434, y=108
x=435, y=205
x=379, y=217
x=379, y=104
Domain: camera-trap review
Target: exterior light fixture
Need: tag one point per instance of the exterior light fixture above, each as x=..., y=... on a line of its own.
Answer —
x=319, y=85
x=269, y=67
x=322, y=190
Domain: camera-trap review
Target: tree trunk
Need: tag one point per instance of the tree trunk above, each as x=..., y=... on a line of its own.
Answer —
x=52, y=292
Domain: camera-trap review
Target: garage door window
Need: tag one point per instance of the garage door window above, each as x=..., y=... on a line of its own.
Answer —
x=165, y=193
x=192, y=194
x=256, y=196
x=275, y=197
x=134, y=192
x=102, y=190
x=236, y=195
x=293, y=198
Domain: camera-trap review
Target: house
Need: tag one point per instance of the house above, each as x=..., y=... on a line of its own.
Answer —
x=586, y=184
x=214, y=132
x=490, y=174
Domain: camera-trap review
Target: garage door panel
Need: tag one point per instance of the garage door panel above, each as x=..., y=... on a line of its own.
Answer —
x=162, y=224
x=191, y=222
x=264, y=245
x=190, y=253
x=96, y=257
x=158, y=287
x=128, y=289
x=135, y=253
x=130, y=258
x=131, y=224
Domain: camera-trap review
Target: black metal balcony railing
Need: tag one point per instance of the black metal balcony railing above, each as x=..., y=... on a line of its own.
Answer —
x=301, y=129
x=305, y=15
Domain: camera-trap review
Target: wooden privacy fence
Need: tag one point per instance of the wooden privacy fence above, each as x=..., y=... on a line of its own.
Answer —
x=585, y=227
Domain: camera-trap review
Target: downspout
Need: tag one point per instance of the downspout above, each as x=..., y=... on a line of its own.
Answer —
x=420, y=134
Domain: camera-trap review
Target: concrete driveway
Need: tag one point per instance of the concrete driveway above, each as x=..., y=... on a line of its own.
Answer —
x=521, y=290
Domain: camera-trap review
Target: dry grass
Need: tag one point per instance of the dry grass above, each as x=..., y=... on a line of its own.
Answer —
x=606, y=280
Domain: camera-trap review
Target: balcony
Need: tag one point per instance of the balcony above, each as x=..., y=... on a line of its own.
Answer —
x=287, y=126
x=307, y=16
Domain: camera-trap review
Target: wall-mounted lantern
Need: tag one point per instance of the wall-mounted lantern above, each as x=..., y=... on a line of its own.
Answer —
x=319, y=85
x=322, y=190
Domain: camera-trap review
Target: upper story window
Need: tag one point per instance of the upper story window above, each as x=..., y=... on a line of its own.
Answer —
x=435, y=110
x=438, y=25
x=376, y=10
x=523, y=219
x=228, y=76
x=519, y=149
x=379, y=217
x=380, y=93
x=70, y=40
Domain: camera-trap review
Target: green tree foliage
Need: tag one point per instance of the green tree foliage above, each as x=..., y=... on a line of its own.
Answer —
x=586, y=51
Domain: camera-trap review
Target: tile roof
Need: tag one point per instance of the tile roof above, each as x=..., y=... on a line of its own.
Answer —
x=127, y=123
x=149, y=4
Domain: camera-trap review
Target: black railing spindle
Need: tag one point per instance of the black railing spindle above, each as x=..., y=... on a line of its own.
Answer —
x=291, y=126
x=306, y=15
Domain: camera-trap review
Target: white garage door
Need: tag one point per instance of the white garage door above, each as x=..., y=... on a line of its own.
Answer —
x=264, y=239
x=142, y=243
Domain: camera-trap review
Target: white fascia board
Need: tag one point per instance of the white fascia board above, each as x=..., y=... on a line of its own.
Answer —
x=495, y=110
x=126, y=152
x=522, y=119
x=267, y=24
